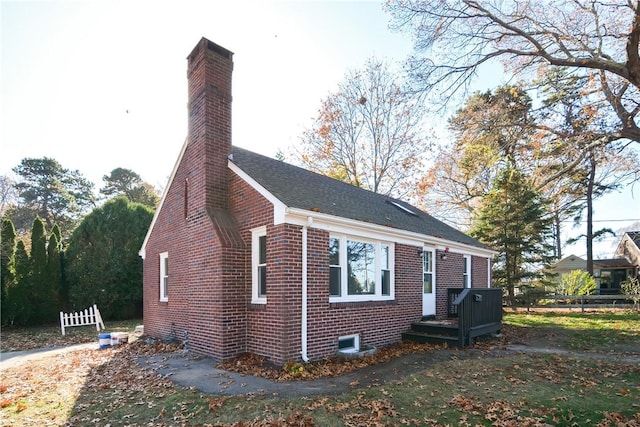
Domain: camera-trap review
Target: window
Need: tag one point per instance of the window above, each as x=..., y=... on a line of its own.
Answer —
x=164, y=276
x=427, y=272
x=466, y=272
x=335, y=271
x=349, y=344
x=259, y=265
x=385, y=277
x=360, y=270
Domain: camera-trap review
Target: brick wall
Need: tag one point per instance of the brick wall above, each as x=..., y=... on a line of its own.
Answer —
x=205, y=226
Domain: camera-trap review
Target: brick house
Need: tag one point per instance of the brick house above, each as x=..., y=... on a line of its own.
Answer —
x=250, y=254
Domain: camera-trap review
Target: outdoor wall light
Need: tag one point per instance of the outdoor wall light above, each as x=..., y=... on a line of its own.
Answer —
x=443, y=255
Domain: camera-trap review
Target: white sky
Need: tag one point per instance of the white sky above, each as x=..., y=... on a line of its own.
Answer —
x=102, y=84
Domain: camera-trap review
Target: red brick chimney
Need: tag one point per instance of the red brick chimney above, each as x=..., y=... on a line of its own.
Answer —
x=209, y=77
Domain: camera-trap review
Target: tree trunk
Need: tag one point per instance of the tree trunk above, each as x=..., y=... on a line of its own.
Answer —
x=590, y=184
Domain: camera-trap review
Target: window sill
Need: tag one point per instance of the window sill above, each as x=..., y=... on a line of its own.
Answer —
x=261, y=301
x=360, y=303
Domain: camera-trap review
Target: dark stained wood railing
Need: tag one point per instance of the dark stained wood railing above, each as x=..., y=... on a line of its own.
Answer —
x=479, y=312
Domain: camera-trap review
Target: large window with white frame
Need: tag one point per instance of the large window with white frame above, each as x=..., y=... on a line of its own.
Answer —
x=360, y=269
x=259, y=265
x=164, y=276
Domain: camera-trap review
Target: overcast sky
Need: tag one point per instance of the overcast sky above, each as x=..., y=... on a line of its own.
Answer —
x=102, y=84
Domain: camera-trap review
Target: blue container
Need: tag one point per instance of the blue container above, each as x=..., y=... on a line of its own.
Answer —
x=104, y=340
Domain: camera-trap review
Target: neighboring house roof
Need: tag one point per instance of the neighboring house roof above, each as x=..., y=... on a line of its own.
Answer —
x=571, y=262
x=612, y=263
x=300, y=188
x=634, y=236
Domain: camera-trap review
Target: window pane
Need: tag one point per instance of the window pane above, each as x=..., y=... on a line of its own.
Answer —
x=334, y=251
x=166, y=266
x=360, y=268
x=427, y=262
x=262, y=259
x=335, y=281
x=427, y=282
x=384, y=262
x=386, y=282
x=262, y=280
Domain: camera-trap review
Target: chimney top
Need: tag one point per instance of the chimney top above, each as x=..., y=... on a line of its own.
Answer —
x=208, y=44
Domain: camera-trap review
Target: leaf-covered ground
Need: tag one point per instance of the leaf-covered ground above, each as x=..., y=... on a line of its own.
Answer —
x=484, y=386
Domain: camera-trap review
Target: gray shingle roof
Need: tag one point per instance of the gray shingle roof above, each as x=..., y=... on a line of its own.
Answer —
x=299, y=188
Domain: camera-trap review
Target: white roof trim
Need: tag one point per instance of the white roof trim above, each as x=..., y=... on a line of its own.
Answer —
x=279, y=208
x=142, y=251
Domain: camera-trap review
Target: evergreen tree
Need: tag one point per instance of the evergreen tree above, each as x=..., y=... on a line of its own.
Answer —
x=7, y=263
x=54, y=272
x=41, y=294
x=512, y=220
x=102, y=261
x=18, y=307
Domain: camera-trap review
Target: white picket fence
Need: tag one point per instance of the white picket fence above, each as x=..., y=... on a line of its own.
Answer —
x=90, y=316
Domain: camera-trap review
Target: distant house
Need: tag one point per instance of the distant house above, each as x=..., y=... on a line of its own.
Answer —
x=609, y=273
x=251, y=254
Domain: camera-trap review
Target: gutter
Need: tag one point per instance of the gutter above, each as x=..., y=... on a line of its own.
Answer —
x=304, y=325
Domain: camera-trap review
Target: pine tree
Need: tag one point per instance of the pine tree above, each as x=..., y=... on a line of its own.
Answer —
x=7, y=263
x=512, y=221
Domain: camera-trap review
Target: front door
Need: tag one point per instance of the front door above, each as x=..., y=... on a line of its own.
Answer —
x=428, y=284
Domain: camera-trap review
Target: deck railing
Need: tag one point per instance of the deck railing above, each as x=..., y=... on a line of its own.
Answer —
x=479, y=312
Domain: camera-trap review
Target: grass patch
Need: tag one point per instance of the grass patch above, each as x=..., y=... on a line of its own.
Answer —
x=602, y=331
x=472, y=389
x=483, y=386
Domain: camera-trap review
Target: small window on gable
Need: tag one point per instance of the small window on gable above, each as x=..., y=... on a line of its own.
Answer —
x=349, y=344
x=164, y=276
x=259, y=265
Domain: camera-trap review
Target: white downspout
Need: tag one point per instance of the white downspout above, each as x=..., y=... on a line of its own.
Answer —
x=303, y=332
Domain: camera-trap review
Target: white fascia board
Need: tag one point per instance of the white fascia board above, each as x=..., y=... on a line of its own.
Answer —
x=336, y=224
x=142, y=252
x=279, y=208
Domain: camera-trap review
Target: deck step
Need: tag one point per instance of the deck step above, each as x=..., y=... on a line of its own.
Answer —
x=436, y=328
x=428, y=338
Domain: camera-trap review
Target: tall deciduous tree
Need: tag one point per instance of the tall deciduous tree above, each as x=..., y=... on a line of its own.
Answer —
x=597, y=41
x=513, y=220
x=368, y=133
x=125, y=182
x=102, y=262
x=55, y=194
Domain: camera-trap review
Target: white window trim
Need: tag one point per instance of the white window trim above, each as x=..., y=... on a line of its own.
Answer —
x=350, y=350
x=432, y=251
x=467, y=278
x=256, y=233
x=344, y=279
x=164, y=294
